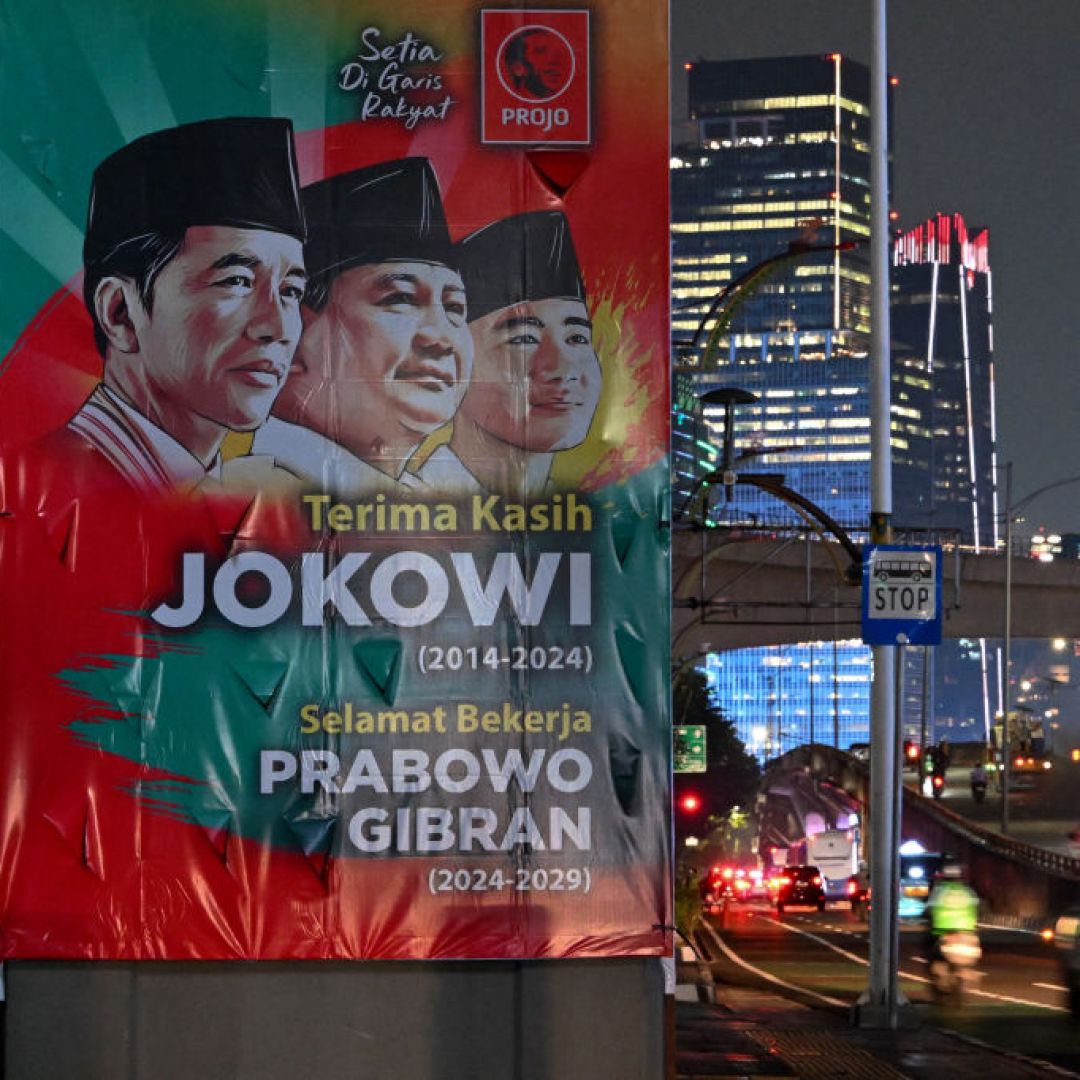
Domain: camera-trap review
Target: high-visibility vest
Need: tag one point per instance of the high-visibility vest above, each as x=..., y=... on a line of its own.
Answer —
x=953, y=906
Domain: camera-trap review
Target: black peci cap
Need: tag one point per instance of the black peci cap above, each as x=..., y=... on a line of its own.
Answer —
x=386, y=212
x=239, y=171
x=524, y=257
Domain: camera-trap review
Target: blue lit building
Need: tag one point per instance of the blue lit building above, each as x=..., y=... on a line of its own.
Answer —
x=780, y=171
x=782, y=156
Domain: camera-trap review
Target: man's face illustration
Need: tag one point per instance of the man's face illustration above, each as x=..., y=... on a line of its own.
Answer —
x=390, y=354
x=539, y=64
x=222, y=327
x=545, y=54
x=536, y=380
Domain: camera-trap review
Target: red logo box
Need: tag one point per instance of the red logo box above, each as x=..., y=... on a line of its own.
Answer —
x=535, y=77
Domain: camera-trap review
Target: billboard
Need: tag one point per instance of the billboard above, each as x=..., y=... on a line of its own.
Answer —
x=333, y=481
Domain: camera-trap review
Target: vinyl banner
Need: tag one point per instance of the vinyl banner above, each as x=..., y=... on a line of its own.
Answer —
x=333, y=487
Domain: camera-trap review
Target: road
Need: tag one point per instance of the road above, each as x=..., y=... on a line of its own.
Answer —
x=821, y=958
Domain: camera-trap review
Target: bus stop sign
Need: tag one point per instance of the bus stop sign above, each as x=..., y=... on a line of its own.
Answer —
x=901, y=595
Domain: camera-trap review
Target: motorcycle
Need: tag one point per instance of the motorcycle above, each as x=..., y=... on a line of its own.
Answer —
x=953, y=966
x=978, y=790
x=937, y=785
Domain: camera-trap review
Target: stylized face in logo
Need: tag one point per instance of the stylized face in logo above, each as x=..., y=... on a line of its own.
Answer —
x=536, y=380
x=386, y=361
x=537, y=63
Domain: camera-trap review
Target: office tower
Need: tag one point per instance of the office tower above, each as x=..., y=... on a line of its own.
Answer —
x=775, y=192
x=781, y=167
x=943, y=369
x=943, y=359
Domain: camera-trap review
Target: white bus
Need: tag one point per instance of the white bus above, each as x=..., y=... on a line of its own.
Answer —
x=835, y=852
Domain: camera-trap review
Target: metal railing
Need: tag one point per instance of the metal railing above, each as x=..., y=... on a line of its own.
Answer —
x=1049, y=862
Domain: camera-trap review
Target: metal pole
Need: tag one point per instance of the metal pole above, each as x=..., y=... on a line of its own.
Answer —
x=1006, y=694
x=920, y=765
x=878, y=1006
x=897, y=809
x=835, y=681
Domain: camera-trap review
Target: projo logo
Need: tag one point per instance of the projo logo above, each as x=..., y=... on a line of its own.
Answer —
x=534, y=77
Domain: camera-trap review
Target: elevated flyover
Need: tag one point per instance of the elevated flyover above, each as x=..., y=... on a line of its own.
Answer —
x=735, y=588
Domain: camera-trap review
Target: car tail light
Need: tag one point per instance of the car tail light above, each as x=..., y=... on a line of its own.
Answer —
x=817, y=879
x=852, y=888
x=742, y=884
x=728, y=873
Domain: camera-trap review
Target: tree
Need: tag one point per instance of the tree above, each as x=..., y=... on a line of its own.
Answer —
x=732, y=775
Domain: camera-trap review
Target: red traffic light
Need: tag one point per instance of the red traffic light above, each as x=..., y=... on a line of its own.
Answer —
x=690, y=803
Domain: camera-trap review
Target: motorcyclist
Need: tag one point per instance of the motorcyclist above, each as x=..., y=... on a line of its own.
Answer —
x=953, y=906
x=978, y=781
x=953, y=910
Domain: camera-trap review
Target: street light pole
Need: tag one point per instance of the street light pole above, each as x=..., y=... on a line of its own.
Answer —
x=881, y=1003
x=1007, y=660
x=1011, y=512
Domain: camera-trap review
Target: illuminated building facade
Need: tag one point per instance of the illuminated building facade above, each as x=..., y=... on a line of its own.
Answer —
x=944, y=369
x=782, y=158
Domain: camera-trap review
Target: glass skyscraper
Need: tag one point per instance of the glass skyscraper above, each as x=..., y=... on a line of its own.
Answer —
x=779, y=174
x=782, y=159
x=944, y=370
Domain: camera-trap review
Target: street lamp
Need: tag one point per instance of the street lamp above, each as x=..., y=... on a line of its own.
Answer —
x=1012, y=510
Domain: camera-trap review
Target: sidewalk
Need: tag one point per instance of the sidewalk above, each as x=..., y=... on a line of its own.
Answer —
x=753, y=1033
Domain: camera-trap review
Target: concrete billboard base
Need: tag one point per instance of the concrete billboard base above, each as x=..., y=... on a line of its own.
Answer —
x=492, y=1020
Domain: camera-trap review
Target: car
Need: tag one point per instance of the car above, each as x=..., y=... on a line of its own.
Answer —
x=857, y=892
x=731, y=882
x=800, y=886
x=1067, y=940
x=917, y=873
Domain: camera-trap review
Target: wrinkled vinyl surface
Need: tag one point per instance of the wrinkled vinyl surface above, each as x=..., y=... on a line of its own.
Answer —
x=315, y=706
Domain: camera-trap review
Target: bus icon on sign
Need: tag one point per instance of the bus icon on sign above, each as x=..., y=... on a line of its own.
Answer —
x=903, y=569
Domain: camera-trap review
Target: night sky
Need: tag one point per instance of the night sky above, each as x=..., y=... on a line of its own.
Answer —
x=987, y=123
